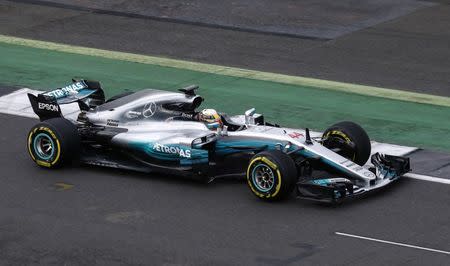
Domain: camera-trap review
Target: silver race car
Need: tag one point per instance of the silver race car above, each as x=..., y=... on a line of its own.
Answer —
x=160, y=131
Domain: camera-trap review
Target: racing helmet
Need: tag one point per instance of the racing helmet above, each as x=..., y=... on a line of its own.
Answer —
x=211, y=118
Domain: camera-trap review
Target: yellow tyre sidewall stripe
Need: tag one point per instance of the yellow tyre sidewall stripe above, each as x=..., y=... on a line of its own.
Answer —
x=30, y=137
x=341, y=134
x=274, y=167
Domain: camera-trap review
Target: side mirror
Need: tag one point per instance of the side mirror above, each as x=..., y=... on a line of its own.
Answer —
x=249, y=116
x=250, y=112
x=200, y=142
x=224, y=131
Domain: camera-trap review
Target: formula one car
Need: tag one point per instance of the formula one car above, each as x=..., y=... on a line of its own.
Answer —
x=159, y=131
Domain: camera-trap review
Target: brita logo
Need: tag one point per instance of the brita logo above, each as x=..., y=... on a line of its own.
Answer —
x=172, y=150
x=48, y=107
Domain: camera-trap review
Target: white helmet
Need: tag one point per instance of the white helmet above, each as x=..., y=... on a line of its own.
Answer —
x=210, y=117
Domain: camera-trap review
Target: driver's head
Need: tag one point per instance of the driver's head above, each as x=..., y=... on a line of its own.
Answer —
x=211, y=118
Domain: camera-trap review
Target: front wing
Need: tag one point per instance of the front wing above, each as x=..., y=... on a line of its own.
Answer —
x=387, y=169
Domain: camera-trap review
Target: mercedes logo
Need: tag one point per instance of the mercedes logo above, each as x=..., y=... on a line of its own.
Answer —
x=149, y=109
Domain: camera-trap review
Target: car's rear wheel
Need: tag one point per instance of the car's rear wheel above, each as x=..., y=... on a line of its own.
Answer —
x=350, y=140
x=271, y=175
x=53, y=143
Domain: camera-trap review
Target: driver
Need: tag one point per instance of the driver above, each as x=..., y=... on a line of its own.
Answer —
x=211, y=118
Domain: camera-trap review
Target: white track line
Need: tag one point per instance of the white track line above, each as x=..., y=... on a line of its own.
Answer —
x=394, y=243
x=428, y=178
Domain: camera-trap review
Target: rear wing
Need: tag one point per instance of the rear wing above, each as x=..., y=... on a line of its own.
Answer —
x=88, y=94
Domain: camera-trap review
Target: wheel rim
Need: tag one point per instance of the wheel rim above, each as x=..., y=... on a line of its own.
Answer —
x=263, y=177
x=43, y=146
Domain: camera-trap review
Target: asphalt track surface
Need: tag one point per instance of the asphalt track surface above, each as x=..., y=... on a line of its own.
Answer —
x=89, y=215
x=95, y=216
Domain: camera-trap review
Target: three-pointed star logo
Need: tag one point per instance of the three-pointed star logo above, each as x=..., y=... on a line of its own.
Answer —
x=149, y=109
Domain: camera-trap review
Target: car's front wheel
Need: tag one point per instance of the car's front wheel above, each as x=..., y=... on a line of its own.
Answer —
x=53, y=142
x=271, y=175
x=350, y=140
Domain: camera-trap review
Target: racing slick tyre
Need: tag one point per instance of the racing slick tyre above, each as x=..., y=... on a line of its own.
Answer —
x=271, y=175
x=351, y=140
x=53, y=143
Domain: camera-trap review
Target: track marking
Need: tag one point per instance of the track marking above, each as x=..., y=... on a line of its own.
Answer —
x=393, y=243
x=234, y=72
x=428, y=178
x=17, y=103
x=61, y=186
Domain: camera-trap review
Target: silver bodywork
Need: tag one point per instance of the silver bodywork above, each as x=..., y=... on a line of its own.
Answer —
x=152, y=126
x=159, y=131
